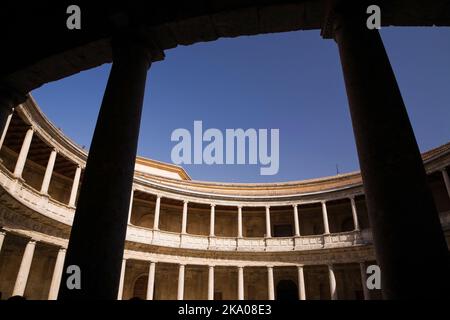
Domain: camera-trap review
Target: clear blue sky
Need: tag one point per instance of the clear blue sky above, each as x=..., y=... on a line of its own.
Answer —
x=291, y=81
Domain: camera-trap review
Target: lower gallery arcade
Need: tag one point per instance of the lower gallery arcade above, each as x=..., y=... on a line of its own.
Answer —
x=186, y=239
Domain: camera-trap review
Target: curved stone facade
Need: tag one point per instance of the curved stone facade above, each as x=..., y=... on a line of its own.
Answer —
x=190, y=239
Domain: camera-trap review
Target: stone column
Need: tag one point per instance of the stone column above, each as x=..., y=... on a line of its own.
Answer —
x=362, y=268
x=20, y=164
x=212, y=220
x=24, y=269
x=2, y=238
x=332, y=278
x=57, y=273
x=184, y=217
x=180, y=294
x=446, y=180
x=270, y=285
x=268, y=228
x=7, y=122
x=354, y=213
x=240, y=283
x=301, y=283
x=326, y=228
x=97, y=238
x=395, y=182
x=122, y=279
x=211, y=283
x=75, y=184
x=239, y=221
x=151, y=281
x=157, y=210
x=296, y=221
x=48, y=172
x=130, y=206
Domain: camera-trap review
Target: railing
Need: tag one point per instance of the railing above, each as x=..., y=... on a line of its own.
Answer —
x=62, y=213
x=275, y=244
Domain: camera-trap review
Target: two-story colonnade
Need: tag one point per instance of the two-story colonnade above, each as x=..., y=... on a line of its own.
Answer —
x=190, y=239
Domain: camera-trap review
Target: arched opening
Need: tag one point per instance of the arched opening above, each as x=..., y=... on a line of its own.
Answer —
x=140, y=287
x=287, y=290
x=347, y=225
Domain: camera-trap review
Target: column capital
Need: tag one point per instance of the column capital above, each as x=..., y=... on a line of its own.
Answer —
x=185, y=201
x=134, y=37
x=158, y=196
x=10, y=96
x=267, y=206
x=323, y=202
x=240, y=206
x=212, y=205
x=295, y=205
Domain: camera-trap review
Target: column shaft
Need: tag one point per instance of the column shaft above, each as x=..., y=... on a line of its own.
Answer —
x=332, y=278
x=7, y=122
x=2, y=238
x=268, y=227
x=180, y=294
x=24, y=269
x=57, y=273
x=362, y=268
x=240, y=283
x=326, y=228
x=157, y=210
x=239, y=222
x=20, y=164
x=395, y=182
x=184, y=217
x=122, y=279
x=75, y=184
x=354, y=214
x=100, y=219
x=211, y=283
x=270, y=285
x=296, y=221
x=212, y=221
x=446, y=181
x=301, y=283
x=151, y=281
x=130, y=206
x=48, y=172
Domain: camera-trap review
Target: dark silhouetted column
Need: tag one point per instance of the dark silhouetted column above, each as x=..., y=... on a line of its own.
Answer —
x=409, y=242
x=9, y=98
x=98, y=233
